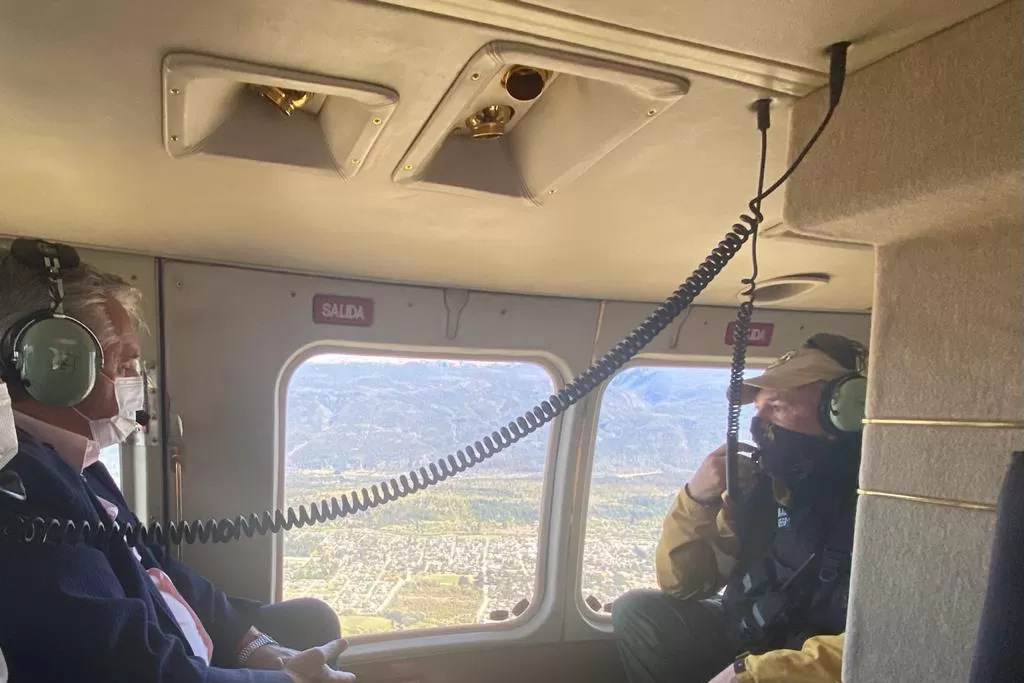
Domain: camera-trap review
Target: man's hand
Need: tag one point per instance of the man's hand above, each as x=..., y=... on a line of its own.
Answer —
x=727, y=676
x=310, y=666
x=708, y=482
x=271, y=657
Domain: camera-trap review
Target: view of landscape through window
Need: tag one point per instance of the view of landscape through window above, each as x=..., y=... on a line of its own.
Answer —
x=447, y=556
x=456, y=552
x=656, y=426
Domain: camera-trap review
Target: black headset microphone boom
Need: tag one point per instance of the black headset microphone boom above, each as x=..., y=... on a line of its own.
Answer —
x=67, y=376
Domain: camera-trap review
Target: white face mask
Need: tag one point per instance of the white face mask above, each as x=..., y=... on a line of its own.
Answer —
x=130, y=394
x=8, y=434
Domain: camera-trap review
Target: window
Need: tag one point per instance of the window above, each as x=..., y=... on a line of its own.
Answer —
x=446, y=556
x=111, y=459
x=656, y=425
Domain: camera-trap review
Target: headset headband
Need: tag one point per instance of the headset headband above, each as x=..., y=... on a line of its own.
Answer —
x=53, y=357
x=850, y=354
x=50, y=259
x=34, y=252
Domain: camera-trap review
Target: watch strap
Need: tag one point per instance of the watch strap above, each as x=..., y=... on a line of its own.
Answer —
x=254, y=644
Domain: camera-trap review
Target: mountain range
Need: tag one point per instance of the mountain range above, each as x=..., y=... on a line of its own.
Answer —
x=386, y=416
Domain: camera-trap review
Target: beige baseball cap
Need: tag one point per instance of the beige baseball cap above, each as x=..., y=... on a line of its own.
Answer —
x=822, y=358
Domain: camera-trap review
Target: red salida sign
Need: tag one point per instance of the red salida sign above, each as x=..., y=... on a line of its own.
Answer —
x=758, y=334
x=329, y=309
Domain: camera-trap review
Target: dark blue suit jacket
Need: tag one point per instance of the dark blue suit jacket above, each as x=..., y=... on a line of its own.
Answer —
x=80, y=613
x=999, y=648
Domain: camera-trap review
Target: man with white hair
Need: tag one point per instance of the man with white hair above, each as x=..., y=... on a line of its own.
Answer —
x=112, y=613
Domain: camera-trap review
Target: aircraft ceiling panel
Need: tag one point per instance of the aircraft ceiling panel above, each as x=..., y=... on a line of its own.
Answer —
x=791, y=33
x=84, y=159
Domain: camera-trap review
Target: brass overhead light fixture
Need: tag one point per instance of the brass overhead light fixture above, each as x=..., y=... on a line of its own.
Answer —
x=284, y=99
x=489, y=123
x=524, y=83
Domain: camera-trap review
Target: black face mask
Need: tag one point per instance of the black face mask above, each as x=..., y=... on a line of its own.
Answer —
x=791, y=456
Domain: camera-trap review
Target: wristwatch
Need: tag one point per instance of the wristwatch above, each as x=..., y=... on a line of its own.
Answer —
x=255, y=644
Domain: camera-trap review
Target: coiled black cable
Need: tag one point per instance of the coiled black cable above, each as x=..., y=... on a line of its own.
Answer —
x=219, y=531
x=40, y=530
x=836, y=81
x=743, y=316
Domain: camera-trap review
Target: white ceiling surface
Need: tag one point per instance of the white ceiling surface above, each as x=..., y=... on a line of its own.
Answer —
x=792, y=32
x=83, y=157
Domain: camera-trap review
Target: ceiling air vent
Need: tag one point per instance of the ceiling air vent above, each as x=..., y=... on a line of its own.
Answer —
x=524, y=122
x=785, y=288
x=225, y=108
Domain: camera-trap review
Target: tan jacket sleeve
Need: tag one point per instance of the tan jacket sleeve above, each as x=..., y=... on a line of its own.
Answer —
x=820, y=660
x=696, y=541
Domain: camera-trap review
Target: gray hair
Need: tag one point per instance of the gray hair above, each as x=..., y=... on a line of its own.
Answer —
x=24, y=290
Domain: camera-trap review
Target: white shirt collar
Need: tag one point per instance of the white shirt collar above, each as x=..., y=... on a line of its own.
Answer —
x=75, y=449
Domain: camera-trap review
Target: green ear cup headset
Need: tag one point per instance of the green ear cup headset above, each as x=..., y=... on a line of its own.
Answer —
x=843, y=404
x=53, y=357
x=842, y=408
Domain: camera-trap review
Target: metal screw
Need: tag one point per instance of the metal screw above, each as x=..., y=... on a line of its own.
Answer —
x=175, y=91
x=377, y=120
x=174, y=138
x=652, y=112
x=475, y=77
x=354, y=162
x=180, y=284
x=408, y=167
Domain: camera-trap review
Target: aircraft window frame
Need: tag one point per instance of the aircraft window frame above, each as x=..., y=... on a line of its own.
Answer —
x=602, y=621
x=526, y=623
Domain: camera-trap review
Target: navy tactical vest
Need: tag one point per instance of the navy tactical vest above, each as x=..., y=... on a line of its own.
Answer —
x=792, y=577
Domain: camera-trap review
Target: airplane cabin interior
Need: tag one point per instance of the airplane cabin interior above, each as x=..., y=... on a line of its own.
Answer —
x=368, y=233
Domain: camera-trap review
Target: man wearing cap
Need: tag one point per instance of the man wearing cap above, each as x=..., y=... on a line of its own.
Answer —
x=781, y=550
